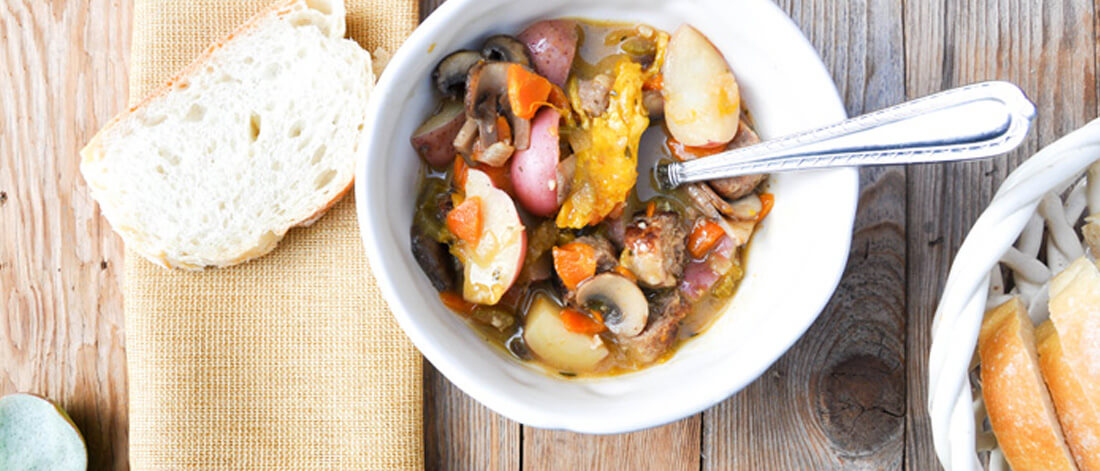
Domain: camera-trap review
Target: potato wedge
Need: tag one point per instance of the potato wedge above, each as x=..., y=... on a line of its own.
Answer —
x=548, y=338
x=702, y=98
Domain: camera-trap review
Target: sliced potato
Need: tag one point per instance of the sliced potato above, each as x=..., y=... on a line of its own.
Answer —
x=37, y=434
x=552, y=44
x=434, y=140
x=702, y=99
x=535, y=169
x=548, y=338
x=491, y=266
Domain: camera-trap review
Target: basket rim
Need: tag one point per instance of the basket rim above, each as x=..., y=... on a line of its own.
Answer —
x=958, y=314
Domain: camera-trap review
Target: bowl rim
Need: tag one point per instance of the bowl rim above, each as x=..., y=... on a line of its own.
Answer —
x=515, y=408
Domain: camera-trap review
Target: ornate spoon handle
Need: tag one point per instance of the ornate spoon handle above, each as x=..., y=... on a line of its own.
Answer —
x=971, y=122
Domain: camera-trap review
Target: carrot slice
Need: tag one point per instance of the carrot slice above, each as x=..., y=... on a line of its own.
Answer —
x=577, y=322
x=650, y=208
x=654, y=82
x=558, y=100
x=704, y=234
x=527, y=91
x=459, y=173
x=626, y=273
x=454, y=302
x=574, y=262
x=464, y=220
x=500, y=176
x=767, y=200
x=682, y=152
x=505, y=130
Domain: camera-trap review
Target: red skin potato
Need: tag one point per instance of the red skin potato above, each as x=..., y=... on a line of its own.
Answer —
x=535, y=170
x=552, y=45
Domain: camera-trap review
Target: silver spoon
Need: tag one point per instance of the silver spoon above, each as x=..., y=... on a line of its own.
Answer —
x=966, y=123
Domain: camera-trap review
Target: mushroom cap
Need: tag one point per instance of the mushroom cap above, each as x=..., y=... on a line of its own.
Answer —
x=450, y=74
x=621, y=302
x=502, y=47
x=487, y=98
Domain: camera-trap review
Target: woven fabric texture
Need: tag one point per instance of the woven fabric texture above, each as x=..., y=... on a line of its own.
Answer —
x=291, y=361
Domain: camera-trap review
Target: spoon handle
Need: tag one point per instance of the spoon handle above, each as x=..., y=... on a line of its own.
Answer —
x=972, y=122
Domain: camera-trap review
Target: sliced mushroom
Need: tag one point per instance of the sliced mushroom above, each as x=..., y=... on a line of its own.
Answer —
x=521, y=131
x=486, y=93
x=621, y=303
x=708, y=202
x=464, y=140
x=505, y=48
x=450, y=75
x=433, y=259
x=487, y=99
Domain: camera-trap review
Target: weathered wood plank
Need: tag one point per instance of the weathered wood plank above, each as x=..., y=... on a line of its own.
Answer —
x=836, y=400
x=62, y=68
x=460, y=434
x=62, y=75
x=672, y=447
x=1047, y=48
x=428, y=6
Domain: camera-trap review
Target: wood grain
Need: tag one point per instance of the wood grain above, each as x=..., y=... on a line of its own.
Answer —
x=673, y=446
x=850, y=394
x=461, y=434
x=836, y=400
x=62, y=74
x=1048, y=49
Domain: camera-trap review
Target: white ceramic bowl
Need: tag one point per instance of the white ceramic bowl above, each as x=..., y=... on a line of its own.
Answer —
x=796, y=260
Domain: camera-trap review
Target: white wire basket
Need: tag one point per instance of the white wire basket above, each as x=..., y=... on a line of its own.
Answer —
x=1028, y=233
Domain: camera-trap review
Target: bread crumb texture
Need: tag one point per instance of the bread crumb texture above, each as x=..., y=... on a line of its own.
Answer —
x=257, y=136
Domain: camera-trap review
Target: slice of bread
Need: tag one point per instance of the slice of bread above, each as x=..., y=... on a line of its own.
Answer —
x=1079, y=417
x=1070, y=351
x=256, y=136
x=1019, y=406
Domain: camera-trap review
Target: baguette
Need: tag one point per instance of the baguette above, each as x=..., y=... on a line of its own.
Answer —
x=1020, y=409
x=256, y=136
x=1069, y=349
x=1078, y=417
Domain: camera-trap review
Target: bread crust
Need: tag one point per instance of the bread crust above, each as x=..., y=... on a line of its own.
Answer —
x=93, y=150
x=1069, y=348
x=1079, y=418
x=1019, y=406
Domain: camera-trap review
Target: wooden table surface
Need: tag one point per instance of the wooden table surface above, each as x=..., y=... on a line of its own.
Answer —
x=849, y=395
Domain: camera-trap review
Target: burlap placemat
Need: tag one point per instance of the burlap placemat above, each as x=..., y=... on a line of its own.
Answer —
x=291, y=361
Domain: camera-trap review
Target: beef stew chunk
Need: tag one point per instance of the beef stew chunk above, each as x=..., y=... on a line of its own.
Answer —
x=654, y=249
x=666, y=310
